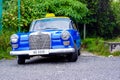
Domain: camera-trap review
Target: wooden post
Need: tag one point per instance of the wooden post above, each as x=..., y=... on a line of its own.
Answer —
x=0, y=16
x=19, y=16
x=84, y=31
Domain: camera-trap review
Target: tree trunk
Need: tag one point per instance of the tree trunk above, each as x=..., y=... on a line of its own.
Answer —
x=84, y=31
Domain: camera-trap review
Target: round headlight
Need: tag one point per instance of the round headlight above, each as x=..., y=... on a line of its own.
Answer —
x=14, y=38
x=65, y=35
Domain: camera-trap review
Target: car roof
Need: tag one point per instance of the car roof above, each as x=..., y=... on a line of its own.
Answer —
x=51, y=17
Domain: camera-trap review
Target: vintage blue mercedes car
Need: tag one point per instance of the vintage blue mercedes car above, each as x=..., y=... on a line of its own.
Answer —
x=47, y=37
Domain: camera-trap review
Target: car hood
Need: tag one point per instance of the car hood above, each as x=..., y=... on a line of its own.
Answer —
x=52, y=32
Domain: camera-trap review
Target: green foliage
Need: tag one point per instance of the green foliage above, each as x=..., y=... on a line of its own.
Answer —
x=93, y=8
x=35, y=9
x=105, y=22
x=116, y=10
x=4, y=55
x=117, y=39
x=5, y=46
x=100, y=19
x=97, y=46
x=115, y=7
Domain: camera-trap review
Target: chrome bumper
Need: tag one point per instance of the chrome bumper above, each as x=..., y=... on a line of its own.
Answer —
x=43, y=51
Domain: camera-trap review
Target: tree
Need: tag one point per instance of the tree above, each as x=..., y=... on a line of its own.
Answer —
x=100, y=20
x=105, y=19
x=115, y=5
x=35, y=9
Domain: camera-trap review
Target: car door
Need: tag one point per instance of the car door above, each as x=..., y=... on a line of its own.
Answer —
x=76, y=35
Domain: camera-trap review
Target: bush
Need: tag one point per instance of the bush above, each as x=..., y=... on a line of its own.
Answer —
x=97, y=46
x=5, y=46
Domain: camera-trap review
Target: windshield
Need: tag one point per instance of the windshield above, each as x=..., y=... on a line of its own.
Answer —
x=52, y=23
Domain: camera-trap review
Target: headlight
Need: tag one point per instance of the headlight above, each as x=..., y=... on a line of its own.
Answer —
x=65, y=35
x=14, y=38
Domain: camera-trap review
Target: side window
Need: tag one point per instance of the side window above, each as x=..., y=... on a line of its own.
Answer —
x=32, y=26
x=70, y=25
x=73, y=25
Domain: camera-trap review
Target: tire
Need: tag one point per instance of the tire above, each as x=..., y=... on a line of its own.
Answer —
x=74, y=56
x=79, y=53
x=21, y=60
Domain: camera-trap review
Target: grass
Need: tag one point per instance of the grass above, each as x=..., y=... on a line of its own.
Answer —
x=4, y=55
x=97, y=46
x=5, y=46
x=114, y=40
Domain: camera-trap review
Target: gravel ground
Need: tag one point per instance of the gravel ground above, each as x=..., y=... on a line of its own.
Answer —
x=88, y=67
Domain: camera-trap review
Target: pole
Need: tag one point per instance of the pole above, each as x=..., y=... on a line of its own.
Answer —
x=0, y=16
x=84, y=31
x=19, y=16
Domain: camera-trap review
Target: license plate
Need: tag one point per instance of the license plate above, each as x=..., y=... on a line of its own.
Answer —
x=37, y=52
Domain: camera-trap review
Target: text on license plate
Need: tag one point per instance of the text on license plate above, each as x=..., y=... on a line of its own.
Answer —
x=40, y=52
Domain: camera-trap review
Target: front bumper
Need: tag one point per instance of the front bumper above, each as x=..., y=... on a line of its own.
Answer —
x=43, y=51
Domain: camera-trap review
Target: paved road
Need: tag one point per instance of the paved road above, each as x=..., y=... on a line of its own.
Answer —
x=88, y=67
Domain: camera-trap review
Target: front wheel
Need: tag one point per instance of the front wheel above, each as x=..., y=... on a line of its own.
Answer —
x=74, y=56
x=21, y=60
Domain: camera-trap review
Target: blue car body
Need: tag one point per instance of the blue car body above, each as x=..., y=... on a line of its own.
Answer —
x=54, y=40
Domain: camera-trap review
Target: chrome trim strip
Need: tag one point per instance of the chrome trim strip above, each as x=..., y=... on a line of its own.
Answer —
x=48, y=51
x=39, y=32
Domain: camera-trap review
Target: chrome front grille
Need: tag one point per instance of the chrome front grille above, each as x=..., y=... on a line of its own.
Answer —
x=41, y=41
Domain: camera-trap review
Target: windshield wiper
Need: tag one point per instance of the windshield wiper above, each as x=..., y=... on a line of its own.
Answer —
x=50, y=28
